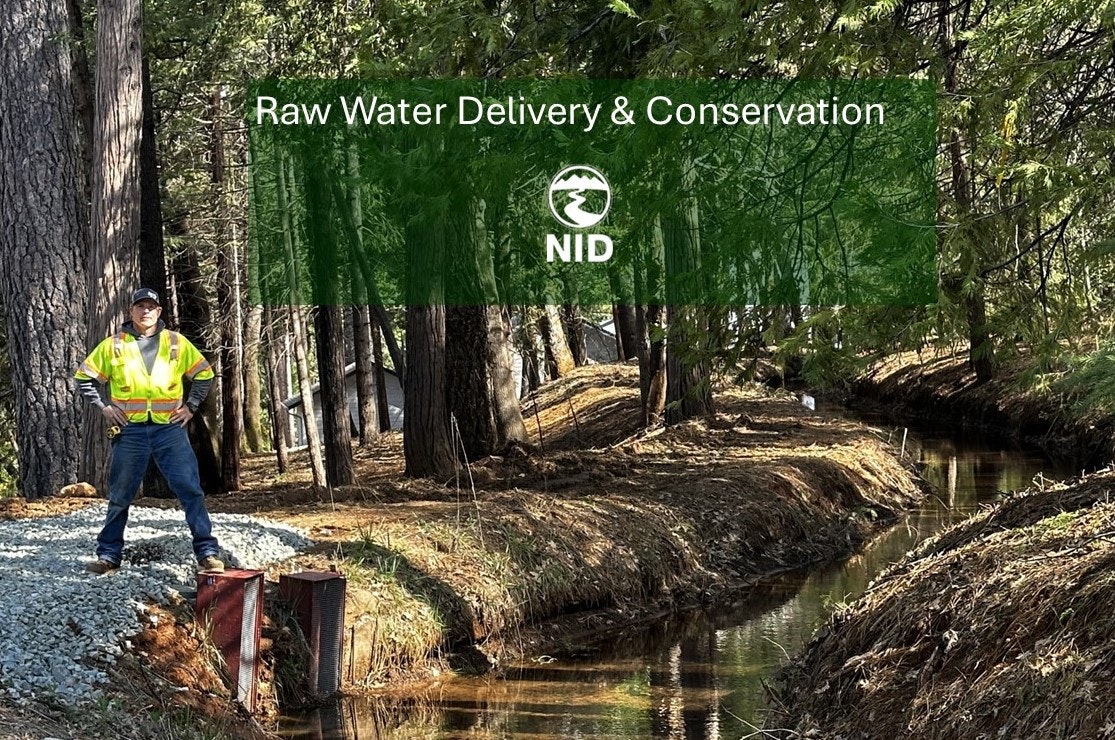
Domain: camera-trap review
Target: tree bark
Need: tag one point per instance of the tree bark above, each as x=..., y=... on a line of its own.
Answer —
x=228, y=301
x=329, y=336
x=651, y=331
x=305, y=386
x=688, y=380
x=482, y=397
x=559, y=360
x=574, y=327
x=195, y=321
x=253, y=392
x=113, y=268
x=152, y=252
x=383, y=408
x=365, y=375
x=426, y=441
x=336, y=422
x=361, y=315
x=44, y=238
x=510, y=428
x=468, y=359
x=275, y=408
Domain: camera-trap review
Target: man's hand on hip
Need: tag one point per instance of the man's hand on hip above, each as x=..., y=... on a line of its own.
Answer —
x=181, y=416
x=114, y=415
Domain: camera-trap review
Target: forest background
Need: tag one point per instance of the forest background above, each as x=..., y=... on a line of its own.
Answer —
x=125, y=162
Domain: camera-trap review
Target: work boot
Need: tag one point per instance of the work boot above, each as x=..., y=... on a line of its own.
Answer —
x=101, y=567
x=211, y=563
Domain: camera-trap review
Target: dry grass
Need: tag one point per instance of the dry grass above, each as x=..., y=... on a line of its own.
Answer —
x=602, y=518
x=944, y=387
x=1000, y=627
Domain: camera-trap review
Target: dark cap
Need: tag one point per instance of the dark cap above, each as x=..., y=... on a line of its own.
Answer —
x=145, y=294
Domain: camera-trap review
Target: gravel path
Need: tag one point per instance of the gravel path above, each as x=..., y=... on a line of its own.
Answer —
x=59, y=625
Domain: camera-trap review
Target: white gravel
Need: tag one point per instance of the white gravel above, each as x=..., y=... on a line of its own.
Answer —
x=59, y=626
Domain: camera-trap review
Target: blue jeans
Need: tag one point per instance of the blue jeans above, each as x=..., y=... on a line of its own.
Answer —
x=132, y=450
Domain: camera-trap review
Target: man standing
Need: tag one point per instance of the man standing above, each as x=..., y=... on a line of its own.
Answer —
x=142, y=367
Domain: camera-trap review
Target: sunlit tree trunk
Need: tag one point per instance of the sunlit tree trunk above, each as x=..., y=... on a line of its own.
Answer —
x=113, y=267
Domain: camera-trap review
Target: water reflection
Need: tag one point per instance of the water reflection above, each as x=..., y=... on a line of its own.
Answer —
x=697, y=674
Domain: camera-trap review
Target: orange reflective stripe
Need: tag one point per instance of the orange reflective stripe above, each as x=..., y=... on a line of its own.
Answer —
x=164, y=406
x=199, y=366
x=128, y=405
x=92, y=372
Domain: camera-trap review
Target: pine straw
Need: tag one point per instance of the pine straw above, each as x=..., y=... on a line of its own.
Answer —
x=1003, y=626
x=945, y=387
x=633, y=523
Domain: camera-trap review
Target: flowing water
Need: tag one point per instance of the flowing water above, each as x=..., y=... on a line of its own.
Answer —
x=698, y=674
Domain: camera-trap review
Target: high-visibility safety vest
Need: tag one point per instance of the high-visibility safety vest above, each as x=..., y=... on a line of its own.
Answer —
x=142, y=395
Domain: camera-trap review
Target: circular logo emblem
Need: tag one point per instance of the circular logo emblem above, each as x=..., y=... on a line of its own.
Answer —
x=580, y=196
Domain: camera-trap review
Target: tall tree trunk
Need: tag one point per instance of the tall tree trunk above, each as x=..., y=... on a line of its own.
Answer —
x=361, y=314
x=44, y=238
x=285, y=181
x=383, y=408
x=426, y=441
x=651, y=330
x=329, y=333
x=253, y=332
x=688, y=380
x=336, y=422
x=365, y=375
x=152, y=253
x=113, y=268
x=253, y=405
x=510, y=428
x=228, y=303
x=574, y=327
x=482, y=397
x=195, y=322
x=559, y=360
x=468, y=362
x=981, y=349
x=275, y=392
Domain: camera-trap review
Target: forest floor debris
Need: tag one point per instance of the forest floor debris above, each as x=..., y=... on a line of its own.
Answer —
x=1001, y=626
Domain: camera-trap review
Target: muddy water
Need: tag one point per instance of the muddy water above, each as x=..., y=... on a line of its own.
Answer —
x=697, y=674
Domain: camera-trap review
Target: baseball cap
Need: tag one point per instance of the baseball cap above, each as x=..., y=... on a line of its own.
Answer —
x=145, y=294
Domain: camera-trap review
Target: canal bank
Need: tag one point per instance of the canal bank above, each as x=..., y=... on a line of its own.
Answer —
x=1000, y=627
x=941, y=386
x=602, y=526
x=699, y=672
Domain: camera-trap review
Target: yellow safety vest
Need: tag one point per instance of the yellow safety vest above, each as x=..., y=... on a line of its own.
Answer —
x=141, y=395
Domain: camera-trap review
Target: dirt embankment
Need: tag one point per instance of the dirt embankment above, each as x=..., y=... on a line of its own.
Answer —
x=600, y=526
x=944, y=388
x=1002, y=626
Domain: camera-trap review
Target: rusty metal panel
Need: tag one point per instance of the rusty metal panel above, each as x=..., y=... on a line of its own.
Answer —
x=318, y=601
x=229, y=608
